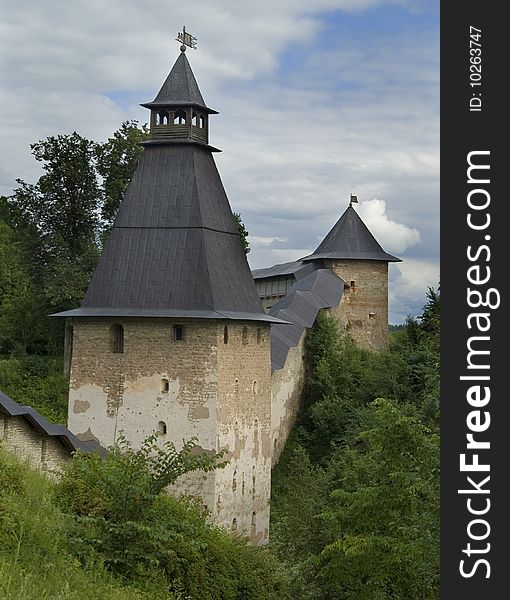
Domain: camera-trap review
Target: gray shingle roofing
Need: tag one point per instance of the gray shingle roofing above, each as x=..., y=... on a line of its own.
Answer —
x=296, y=268
x=350, y=239
x=174, y=250
x=320, y=289
x=11, y=408
x=180, y=88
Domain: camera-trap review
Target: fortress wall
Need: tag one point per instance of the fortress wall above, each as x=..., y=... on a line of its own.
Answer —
x=243, y=487
x=41, y=451
x=286, y=397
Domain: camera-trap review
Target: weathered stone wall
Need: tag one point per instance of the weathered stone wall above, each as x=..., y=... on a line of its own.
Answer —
x=243, y=488
x=40, y=450
x=156, y=385
x=287, y=385
x=363, y=310
x=199, y=387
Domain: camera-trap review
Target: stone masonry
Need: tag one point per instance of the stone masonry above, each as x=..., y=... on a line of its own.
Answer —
x=214, y=385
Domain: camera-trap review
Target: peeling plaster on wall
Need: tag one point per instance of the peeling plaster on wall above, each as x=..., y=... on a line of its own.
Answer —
x=80, y=406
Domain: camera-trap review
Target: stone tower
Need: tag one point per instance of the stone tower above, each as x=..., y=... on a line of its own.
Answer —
x=171, y=336
x=352, y=252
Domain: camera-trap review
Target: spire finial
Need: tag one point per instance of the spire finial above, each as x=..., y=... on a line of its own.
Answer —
x=353, y=199
x=186, y=39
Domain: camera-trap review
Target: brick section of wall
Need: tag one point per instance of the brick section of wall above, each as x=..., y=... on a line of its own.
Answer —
x=363, y=311
x=41, y=451
x=243, y=488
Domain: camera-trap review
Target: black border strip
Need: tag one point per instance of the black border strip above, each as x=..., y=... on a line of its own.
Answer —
x=464, y=131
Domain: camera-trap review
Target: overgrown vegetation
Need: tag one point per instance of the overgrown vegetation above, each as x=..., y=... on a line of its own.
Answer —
x=108, y=530
x=366, y=450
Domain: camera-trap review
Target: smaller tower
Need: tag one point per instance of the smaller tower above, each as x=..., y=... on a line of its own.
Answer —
x=352, y=252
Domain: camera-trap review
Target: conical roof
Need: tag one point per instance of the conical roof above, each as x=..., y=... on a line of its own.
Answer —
x=174, y=249
x=180, y=88
x=351, y=239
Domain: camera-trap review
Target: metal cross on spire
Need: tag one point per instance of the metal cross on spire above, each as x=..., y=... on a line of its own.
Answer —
x=353, y=199
x=186, y=39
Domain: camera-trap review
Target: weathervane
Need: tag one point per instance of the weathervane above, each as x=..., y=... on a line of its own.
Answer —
x=353, y=199
x=186, y=39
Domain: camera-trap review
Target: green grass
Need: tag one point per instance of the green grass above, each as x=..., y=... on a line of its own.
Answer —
x=36, y=562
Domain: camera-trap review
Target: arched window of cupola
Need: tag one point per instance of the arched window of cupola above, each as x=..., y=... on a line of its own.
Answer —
x=179, y=117
x=162, y=118
x=202, y=121
x=117, y=338
x=194, y=120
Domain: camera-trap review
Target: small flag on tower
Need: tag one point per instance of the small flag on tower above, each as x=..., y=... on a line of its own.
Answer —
x=354, y=199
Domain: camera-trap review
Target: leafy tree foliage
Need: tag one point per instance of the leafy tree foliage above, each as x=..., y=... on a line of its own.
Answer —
x=366, y=450
x=116, y=163
x=121, y=517
x=52, y=232
x=243, y=232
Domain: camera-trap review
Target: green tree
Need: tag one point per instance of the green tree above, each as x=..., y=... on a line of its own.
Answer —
x=117, y=159
x=63, y=210
x=385, y=511
x=243, y=232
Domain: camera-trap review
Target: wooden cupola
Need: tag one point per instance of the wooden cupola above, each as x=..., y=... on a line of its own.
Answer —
x=179, y=113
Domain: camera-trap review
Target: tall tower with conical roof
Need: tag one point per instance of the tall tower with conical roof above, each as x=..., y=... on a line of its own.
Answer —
x=171, y=337
x=352, y=252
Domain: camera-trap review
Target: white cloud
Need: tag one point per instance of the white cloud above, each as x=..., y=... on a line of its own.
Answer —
x=393, y=237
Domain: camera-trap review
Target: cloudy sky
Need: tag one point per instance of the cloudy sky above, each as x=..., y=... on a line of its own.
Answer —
x=316, y=100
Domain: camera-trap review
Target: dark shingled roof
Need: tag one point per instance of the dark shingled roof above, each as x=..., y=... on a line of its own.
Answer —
x=69, y=440
x=350, y=239
x=297, y=268
x=180, y=88
x=320, y=289
x=174, y=250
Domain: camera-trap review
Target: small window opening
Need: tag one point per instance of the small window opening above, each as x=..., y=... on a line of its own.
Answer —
x=117, y=338
x=234, y=481
x=371, y=315
x=259, y=335
x=255, y=387
x=242, y=488
x=179, y=117
x=353, y=283
x=162, y=118
x=234, y=524
x=245, y=335
x=165, y=385
x=253, y=522
x=161, y=428
x=178, y=333
x=225, y=335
